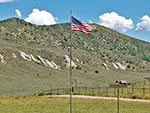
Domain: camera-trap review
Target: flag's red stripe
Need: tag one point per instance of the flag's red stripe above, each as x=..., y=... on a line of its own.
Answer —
x=82, y=27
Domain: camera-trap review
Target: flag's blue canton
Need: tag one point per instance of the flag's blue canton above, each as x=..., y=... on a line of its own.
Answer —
x=75, y=21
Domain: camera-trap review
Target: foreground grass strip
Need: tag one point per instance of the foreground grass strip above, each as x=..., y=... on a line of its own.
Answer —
x=61, y=105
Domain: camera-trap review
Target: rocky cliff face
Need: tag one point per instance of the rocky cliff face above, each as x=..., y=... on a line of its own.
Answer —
x=65, y=62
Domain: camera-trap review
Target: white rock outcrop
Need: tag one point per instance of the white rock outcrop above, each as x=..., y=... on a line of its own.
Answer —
x=54, y=64
x=40, y=60
x=25, y=56
x=105, y=66
x=34, y=59
x=114, y=65
x=77, y=60
x=2, y=59
x=14, y=55
x=48, y=63
x=67, y=62
x=120, y=66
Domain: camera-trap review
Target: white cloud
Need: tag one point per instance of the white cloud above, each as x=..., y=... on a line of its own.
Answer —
x=116, y=22
x=90, y=21
x=41, y=17
x=18, y=13
x=3, y=1
x=144, y=24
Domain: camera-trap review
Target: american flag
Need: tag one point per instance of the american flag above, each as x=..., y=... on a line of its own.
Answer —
x=79, y=26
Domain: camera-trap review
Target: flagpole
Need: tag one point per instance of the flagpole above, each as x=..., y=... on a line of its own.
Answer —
x=70, y=65
x=80, y=27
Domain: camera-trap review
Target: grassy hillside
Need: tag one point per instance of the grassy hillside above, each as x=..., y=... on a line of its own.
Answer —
x=103, y=45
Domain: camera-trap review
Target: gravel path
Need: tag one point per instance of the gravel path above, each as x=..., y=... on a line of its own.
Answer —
x=97, y=97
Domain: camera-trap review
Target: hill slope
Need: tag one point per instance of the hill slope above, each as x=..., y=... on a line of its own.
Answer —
x=90, y=53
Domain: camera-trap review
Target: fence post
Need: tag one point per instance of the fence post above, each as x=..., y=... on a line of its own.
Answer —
x=63, y=90
x=85, y=90
x=99, y=91
x=132, y=88
x=106, y=91
x=79, y=90
x=92, y=91
x=149, y=86
x=122, y=92
x=143, y=90
x=115, y=91
x=117, y=99
x=144, y=87
x=57, y=92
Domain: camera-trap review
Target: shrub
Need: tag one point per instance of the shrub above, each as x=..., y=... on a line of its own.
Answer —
x=128, y=66
x=78, y=67
x=96, y=71
x=42, y=93
x=85, y=71
x=146, y=58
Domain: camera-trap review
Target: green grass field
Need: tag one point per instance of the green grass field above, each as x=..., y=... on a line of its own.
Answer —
x=61, y=105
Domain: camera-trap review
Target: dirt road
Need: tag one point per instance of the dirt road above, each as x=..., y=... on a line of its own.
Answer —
x=97, y=97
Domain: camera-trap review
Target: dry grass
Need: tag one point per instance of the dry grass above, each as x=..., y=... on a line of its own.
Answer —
x=61, y=105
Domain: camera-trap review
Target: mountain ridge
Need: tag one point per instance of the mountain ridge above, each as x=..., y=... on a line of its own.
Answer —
x=91, y=53
x=104, y=42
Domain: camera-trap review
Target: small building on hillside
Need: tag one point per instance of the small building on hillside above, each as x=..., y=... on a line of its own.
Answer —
x=123, y=82
x=120, y=84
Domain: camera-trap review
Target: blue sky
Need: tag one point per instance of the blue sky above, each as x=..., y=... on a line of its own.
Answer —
x=131, y=17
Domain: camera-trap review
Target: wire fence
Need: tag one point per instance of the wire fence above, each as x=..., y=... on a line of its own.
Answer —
x=130, y=90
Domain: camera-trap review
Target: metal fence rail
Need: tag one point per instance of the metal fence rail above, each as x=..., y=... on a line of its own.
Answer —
x=129, y=91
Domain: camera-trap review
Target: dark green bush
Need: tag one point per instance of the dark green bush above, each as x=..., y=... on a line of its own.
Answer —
x=96, y=71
